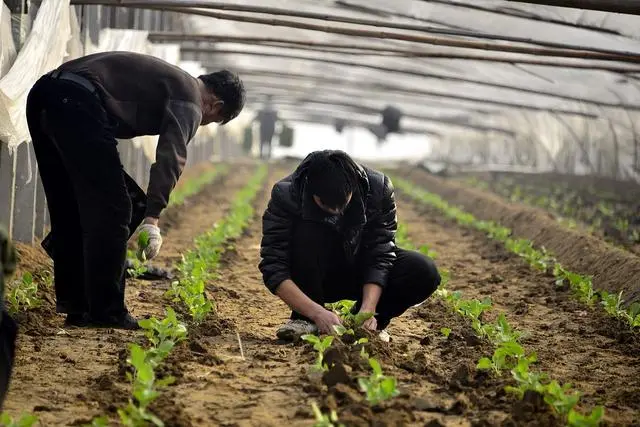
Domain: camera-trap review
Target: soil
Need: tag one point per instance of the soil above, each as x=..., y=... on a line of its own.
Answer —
x=577, y=198
x=232, y=370
x=613, y=269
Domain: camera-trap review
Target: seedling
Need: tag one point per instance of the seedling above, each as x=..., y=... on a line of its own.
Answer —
x=323, y=420
x=445, y=332
x=138, y=268
x=163, y=334
x=145, y=390
x=378, y=387
x=320, y=345
x=343, y=308
x=504, y=357
x=23, y=294
x=143, y=243
x=26, y=420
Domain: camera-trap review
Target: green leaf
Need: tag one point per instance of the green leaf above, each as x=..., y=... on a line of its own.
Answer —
x=484, y=363
x=445, y=332
x=375, y=365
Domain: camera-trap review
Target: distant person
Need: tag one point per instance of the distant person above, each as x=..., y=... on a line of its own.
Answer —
x=267, y=119
x=329, y=234
x=75, y=113
x=8, y=327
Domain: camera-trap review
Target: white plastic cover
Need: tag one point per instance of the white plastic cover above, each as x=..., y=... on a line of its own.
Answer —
x=553, y=137
x=44, y=49
x=7, y=46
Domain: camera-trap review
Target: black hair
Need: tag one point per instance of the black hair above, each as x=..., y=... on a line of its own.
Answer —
x=332, y=176
x=228, y=87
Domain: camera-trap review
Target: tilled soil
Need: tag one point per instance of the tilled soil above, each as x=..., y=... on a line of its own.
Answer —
x=68, y=376
x=574, y=343
x=232, y=370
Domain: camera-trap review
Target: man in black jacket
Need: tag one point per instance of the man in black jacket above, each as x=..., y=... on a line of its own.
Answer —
x=329, y=234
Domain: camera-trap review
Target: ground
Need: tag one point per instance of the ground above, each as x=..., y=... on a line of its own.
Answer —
x=232, y=371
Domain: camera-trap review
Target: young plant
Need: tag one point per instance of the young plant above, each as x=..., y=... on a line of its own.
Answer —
x=163, y=334
x=138, y=268
x=344, y=309
x=26, y=420
x=145, y=390
x=378, y=387
x=504, y=357
x=322, y=420
x=23, y=294
x=320, y=345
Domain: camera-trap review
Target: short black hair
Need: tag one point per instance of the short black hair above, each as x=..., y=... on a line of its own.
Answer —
x=228, y=87
x=332, y=176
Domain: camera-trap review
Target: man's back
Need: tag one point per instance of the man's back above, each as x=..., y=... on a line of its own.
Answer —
x=136, y=89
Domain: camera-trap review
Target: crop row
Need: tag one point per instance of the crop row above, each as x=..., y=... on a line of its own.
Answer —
x=197, y=267
x=509, y=354
x=581, y=285
x=597, y=216
x=190, y=186
x=377, y=387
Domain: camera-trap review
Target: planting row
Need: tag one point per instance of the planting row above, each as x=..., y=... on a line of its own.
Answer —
x=608, y=216
x=196, y=269
x=541, y=260
x=509, y=354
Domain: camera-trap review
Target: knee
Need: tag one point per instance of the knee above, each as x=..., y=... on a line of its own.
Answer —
x=425, y=274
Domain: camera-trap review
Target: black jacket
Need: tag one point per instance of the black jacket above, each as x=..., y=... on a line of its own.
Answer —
x=368, y=226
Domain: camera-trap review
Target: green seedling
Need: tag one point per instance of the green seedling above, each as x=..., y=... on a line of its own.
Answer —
x=320, y=345
x=378, y=387
x=138, y=268
x=445, y=331
x=163, y=334
x=344, y=309
x=145, y=390
x=143, y=242
x=575, y=419
x=25, y=420
x=23, y=294
x=504, y=357
x=323, y=420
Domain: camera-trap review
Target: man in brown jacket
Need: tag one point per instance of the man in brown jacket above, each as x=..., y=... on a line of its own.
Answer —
x=75, y=113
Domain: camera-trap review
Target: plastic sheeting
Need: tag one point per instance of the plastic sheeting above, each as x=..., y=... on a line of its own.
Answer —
x=553, y=136
x=7, y=46
x=44, y=49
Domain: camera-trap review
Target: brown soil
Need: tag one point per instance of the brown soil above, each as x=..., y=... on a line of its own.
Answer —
x=574, y=343
x=612, y=269
x=69, y=377
x=66, y=375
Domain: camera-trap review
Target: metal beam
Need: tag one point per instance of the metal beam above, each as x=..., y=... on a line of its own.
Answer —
x=415, y=73
x=196, y=7
x=613, y=6
x=342, y=87
x=367, y=49
x=399, y=89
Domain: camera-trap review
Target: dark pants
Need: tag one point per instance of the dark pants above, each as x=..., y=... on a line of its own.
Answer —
x=8, y=334
x=265, y=149
x=320, y=270
x=87, y=195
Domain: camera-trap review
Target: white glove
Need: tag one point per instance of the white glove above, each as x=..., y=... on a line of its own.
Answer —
x=154, y=244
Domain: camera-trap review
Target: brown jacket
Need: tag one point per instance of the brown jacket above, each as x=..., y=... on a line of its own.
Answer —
x=147, y=96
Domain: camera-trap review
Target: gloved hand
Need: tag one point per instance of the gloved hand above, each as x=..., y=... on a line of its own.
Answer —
x=149, y=241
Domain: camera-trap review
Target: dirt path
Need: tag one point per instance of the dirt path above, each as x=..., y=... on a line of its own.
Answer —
x=574, y=344
x=63, y=375
x=270, y=386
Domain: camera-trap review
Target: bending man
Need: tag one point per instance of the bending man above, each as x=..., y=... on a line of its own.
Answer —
x=75, y=114
x=329, y=234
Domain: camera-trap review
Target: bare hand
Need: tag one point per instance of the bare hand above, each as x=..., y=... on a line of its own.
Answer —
x=371, y=324
x=325, y=320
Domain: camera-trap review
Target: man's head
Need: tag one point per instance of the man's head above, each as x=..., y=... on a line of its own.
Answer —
x=223, y=97
x=332, y=178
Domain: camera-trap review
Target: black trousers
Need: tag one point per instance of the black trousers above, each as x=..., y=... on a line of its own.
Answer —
x=320, y=269
x=88, y=196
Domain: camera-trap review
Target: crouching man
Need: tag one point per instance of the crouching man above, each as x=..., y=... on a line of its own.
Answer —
x=329, y=234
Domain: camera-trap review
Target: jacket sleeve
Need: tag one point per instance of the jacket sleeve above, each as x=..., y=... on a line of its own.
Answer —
x=181, y=121
x=277, y=222
x=379, y=238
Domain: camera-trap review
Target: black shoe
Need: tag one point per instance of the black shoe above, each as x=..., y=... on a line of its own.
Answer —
x=123, y=321
x=77, y=319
